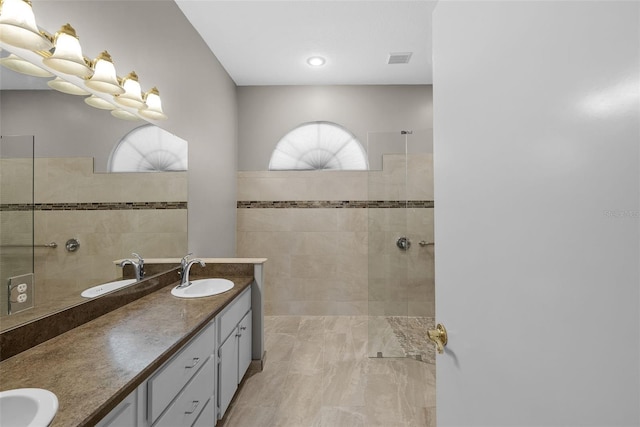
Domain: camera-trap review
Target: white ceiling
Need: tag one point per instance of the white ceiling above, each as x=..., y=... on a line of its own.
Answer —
x=268, y=42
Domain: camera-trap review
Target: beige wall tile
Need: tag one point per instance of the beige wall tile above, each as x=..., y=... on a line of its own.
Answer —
x=16, y=180
x=153, y=245
x=420, y=177
x=72, y=180
x=340, y=261
x=304, y=185
x=167, y=220
x=352, y=219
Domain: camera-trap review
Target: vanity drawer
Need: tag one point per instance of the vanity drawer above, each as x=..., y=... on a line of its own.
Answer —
x=169, y=380
x=196, y=395
x=234, y=312
x=207, y=417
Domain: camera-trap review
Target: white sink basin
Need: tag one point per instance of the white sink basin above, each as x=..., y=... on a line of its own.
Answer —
x=203, y=288
x=27, y=407
x=107, y=287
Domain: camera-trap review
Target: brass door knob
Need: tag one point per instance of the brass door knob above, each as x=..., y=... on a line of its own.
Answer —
x=439, y=337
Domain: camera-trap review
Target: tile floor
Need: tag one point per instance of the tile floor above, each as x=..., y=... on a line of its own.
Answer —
x=317, y=373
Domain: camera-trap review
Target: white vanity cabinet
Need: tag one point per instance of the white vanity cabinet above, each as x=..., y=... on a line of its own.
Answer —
x=244, y=345
x=196, y=385
x=125, y=414
x=182, y=387
x=180, y=393
x=234, y=352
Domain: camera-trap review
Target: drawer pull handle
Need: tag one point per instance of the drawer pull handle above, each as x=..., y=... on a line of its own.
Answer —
x=238, y=335
x=196, y=360
x=243, y=328
x=194, y=406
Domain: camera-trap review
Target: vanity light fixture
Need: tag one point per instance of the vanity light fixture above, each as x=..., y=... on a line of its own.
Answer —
x=67, y=54
x=132, y=96
x=62, y=85
x=104, y=77
x=97, y=102
x=19, y=65
x=18, y=26
x=61, y=55
x=316, y=61
x=154, y=106
x=124, y=115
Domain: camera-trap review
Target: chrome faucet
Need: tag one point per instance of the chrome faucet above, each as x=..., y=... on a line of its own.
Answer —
x=184, y=278
x=183, y=262
x=138, y=265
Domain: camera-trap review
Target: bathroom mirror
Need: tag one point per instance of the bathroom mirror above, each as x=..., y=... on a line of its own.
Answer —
x=111, y=215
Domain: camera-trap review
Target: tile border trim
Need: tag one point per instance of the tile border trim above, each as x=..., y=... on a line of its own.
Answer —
x=91, y=206
x=334, y=204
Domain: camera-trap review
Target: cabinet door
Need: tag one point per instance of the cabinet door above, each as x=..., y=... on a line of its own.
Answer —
x=125, y=414
x=244, y=345
x=227, y=372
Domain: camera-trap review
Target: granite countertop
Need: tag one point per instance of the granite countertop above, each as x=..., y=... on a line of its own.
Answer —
x=93, y=367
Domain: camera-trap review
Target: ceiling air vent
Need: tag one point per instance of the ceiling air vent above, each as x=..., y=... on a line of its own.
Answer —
x=399, y=58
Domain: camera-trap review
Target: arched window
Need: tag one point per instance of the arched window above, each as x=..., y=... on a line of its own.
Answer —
x=318, y=146
x=149, y=148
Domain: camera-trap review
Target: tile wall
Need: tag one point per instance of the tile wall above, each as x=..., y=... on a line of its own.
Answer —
x=111, y=215
x=327, y=233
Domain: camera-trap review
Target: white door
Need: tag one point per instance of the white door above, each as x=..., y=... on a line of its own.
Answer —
x=537, y=184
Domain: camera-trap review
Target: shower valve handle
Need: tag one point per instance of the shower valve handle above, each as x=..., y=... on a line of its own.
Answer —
x=403, y=243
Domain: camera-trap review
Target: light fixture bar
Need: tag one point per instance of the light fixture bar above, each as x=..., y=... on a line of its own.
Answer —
x=40, y=54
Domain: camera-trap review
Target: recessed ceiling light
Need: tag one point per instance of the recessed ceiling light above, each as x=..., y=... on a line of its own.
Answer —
x=316, y=61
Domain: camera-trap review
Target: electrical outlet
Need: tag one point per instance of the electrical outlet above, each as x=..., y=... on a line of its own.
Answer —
x=20, y=289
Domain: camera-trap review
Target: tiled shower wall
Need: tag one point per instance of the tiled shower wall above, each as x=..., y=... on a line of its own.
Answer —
x=111, y=215
x=327, y=233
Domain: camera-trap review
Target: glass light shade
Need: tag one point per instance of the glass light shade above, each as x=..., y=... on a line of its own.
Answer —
x=100, y=103
x=67, y=55
x=154, y=106
x=19, y=65
x=124, y=115
x=66, y=87
x=132, y=96
x=18, y=26
x=104, y=77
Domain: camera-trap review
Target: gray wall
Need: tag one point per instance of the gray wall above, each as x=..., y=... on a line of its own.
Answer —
x=155, y=39
x=63, y=124
x=267, y=113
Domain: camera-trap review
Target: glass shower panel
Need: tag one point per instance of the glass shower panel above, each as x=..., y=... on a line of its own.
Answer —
x=16, y=211
x=401, y=244
x=388, y=242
